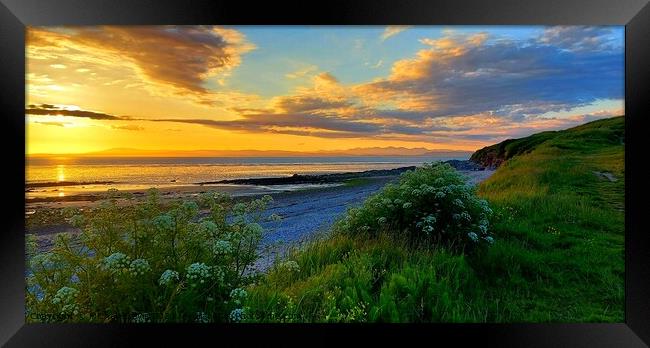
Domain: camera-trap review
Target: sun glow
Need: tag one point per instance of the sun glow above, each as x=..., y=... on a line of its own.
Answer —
x=60, y=172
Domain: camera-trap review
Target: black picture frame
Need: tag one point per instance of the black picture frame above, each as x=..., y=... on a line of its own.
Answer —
x=15, y=15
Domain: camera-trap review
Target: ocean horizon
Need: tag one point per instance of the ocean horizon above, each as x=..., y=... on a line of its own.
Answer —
x=127, y=173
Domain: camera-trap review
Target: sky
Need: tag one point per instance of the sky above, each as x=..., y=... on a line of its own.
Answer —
x=304, y=88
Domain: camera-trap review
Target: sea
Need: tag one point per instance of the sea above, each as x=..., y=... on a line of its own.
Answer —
x=81, y=174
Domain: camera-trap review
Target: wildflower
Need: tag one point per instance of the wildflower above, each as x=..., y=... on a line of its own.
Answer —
x=440, y=195
x=382, y=220
x=167, y=277
x=221, y=247
x=116, y=263
x=407, y=205
x=66, y=297
x=42, y=261
x=202, y=318
x=427, y=224
x=489, y=239
x=254, y=229
x=139, y=267
x=65, y=294
x=218, y=274
x=163, y=222
x=238, y=295
x=198, y=273
x=457, y=202
x=275, y=217
x=473, y=236
x=236, y=315
x=141, y=318
x=426, y=188
x=290, y=266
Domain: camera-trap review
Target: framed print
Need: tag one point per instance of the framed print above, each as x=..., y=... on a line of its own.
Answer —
x=263, y=174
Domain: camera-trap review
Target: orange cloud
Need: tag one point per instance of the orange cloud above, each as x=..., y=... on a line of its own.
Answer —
x=181, y=58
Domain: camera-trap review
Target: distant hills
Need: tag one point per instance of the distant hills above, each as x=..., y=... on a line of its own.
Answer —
x=355, y=152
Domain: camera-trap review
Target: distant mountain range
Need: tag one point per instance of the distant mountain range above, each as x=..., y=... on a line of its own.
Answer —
x=370, y=151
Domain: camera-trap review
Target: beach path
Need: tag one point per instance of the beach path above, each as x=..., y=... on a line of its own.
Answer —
x=310, y=213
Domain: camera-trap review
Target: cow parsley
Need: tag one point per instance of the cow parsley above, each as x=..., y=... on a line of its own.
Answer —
x=168, y=277
x=163, y=222
x=237, y=315
x=139, y=267
x=221, y=247
x=66, y=299
x=290, y=266
x=238, y=295
x=116, y=263
x=198, y=273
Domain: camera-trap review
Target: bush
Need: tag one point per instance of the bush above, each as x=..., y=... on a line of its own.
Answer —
x=431, y=204
x=149, y=262
x=397, y=258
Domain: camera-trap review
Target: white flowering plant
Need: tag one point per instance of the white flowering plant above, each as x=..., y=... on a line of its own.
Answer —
x=149, y=261
x=431, y=204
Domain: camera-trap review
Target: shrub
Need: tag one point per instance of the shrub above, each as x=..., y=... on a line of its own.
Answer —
x=432, y=204
x=149, y=262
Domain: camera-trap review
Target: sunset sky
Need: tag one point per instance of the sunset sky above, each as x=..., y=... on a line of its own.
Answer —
x=314, y=88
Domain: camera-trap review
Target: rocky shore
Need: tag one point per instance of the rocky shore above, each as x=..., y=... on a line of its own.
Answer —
x=298, y=179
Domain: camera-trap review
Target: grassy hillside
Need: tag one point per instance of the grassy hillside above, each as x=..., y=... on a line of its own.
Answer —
x=558, y=226
x=601, y=132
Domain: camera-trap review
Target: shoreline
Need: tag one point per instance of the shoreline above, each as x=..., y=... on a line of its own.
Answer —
x=242, y=187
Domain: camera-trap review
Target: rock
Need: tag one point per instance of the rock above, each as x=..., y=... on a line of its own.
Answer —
x=336, y=177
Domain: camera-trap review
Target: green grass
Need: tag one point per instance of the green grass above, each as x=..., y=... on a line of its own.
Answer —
x=558, y=256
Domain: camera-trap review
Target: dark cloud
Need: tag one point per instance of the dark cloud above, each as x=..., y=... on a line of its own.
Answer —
x=129, y=127
x=44, y=106
x=296, y=104
x=512, y=78
x=275, y=122
x=579, y=38
x=296, y=124
x=49, y=110
x=250, y=110
x=52, y=123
